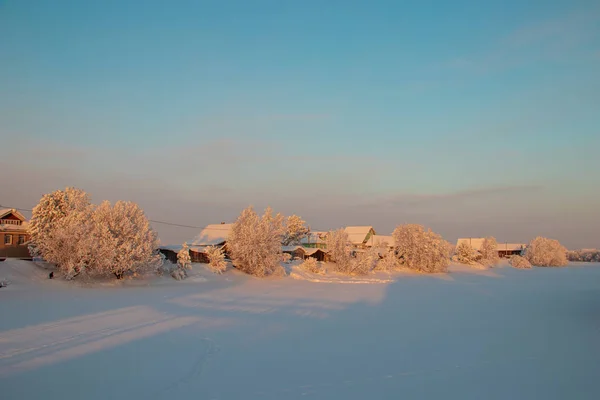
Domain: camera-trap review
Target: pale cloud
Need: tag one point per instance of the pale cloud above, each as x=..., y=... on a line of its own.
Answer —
x=556, y=39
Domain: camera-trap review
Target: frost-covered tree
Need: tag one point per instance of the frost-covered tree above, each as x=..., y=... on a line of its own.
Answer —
x=216, y=259
x=489, y=252
x=183, y=257
x=584, y=255
x=255, y=242
x=80, y=238
x=286, y=258
x=421, y=249
x=544, y=252
x=50, y=210
x=465, y=254
x=364, y=262
x=295, y=230
x=389, y=262
x=339, y=249
x=312, y=265
x=134, y=240
x=519, y=262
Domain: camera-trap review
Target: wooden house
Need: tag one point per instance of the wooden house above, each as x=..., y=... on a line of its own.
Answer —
x=360, y=236
x=13, y=234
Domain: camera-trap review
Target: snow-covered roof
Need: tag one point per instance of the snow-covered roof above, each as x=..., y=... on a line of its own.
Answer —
x=5, y=211
x=511, y=246
x=312, y=250
x=476, y=244
x=12, y=227
x=214, y=234
x=172, y=247
x=313, y=237
x=375, y=240
x=358, y=234
x=291, y=248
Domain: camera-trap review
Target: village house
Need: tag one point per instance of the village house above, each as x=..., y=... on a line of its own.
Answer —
x=211, y=235
x=13, y=234
x=315, y=239
x=505, y=250
x=360, y=236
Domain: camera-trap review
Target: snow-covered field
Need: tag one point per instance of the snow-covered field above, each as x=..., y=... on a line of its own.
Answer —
x=470, y=334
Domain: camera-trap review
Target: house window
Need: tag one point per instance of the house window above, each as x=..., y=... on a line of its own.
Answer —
x=21, y=239
x=7, y=239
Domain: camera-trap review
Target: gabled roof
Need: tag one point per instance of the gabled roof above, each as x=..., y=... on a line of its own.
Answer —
x=313, y=237
x=358, y=234
x=212, y=235
x=312, y=250
x=292, y=248
x=7, y=211
x=376, y=240
x=476, y=244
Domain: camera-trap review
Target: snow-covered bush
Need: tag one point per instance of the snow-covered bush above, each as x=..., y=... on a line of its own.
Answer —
x=544, y=252
x=364, y=262
x=183, y=257
x=489, y=252
x=465, y=254
x=312, y=265
x=338, y=247
x=584, y=255
x=389, y=262
x=216, y=259
x=421, y=249
x=286, y=258
x=519, y=262
x=295, y=230
x=255, y=243
x=179, y=274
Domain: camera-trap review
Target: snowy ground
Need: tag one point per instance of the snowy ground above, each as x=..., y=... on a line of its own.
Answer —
x=495, y=334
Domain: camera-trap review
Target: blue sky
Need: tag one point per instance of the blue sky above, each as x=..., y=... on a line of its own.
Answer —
x=471, y=118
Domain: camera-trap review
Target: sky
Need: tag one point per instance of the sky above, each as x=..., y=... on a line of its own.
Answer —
x=471, y=118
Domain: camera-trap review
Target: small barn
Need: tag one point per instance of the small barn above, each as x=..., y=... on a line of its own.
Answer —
x=380, y=240
x=318, y=254
x=507, y=250
x=296, y=252
x=211, y=235
x=170, y=252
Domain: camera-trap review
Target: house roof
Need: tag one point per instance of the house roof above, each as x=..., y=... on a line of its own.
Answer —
x=358, y=234
x=212, y=235
x=291, y=248
x=379, y=239
x=313, y=237
x=6, y=211
x=313, y=250
x=10, y=227
x=476, y=244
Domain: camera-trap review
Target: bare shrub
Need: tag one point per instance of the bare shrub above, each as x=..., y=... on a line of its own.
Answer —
x=465, y=254
x=489, y=252
x=286, y=258
x=389, y=262
x=520, y=262
x=216, y=259
x=312, y=265
x=420, y=249
x=544, y=252
x=338, y=246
